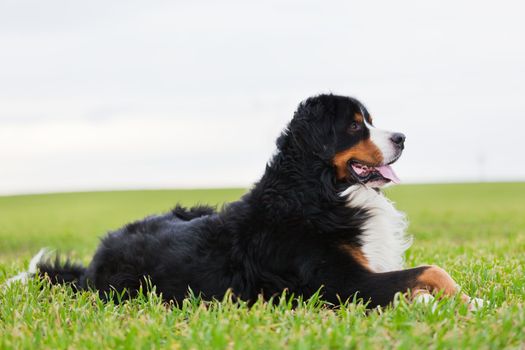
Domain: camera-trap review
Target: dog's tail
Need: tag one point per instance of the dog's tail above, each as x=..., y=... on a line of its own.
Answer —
x=62, y=272
x=56, y=271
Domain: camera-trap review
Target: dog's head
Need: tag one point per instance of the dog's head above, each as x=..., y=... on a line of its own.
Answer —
x=340, y=130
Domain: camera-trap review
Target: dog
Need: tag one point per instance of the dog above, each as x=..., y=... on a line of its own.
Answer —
x=316, y=220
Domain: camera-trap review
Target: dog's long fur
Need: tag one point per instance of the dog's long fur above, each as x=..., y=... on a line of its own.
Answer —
x=306, y=224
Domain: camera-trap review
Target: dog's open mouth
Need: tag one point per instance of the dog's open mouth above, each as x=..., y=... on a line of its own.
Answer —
x=370, y=175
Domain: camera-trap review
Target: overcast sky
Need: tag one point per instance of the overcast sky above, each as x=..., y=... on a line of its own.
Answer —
x=125, y=94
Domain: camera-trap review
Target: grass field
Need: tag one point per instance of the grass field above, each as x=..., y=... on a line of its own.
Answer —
x=474, y=231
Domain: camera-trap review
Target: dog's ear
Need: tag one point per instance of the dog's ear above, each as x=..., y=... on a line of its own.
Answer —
x=312, y=127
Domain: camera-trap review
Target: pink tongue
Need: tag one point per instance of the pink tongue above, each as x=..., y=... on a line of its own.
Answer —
x=388, y=173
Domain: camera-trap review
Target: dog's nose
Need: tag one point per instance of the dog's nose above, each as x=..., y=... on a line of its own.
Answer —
x=398, y=138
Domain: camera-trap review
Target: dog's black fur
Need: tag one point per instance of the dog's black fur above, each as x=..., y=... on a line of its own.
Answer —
x=285, y=233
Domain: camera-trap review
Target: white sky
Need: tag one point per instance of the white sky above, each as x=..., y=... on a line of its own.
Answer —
x=126, y=94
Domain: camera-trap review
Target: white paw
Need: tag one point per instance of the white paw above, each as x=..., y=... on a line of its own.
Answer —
x=426, y=299
x=475, y=304
x=423, y=298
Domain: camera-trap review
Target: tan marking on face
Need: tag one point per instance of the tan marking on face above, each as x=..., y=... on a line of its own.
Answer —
x=358, y=118
x=365, y=152
x=357, y=254
x=435, y=280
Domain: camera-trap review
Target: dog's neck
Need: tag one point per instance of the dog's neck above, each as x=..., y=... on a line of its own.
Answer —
x=300, y=189
x=301, y=192
x=295, y=172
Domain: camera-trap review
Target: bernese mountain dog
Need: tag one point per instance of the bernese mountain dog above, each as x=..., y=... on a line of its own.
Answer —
x=316, y=220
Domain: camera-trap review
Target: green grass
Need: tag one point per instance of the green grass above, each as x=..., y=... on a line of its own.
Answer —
x=475, y=231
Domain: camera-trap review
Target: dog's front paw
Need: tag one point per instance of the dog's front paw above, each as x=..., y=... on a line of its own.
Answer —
x=423, y=298
x=475, y=304
x=426, y=299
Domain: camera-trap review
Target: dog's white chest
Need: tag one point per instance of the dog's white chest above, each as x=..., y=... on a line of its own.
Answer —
x=384, y=239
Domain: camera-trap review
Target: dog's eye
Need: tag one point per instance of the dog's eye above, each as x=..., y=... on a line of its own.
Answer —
x=354, y=126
